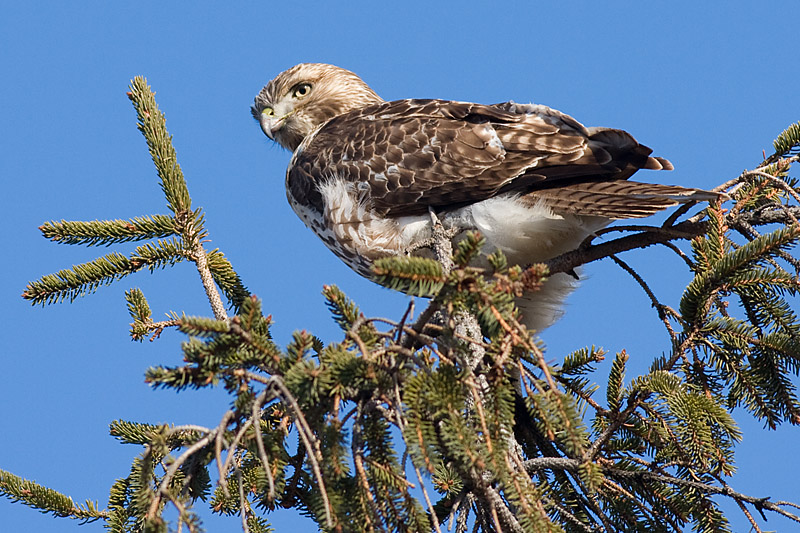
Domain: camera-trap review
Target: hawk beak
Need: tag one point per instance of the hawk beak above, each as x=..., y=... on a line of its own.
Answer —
x=269, y=125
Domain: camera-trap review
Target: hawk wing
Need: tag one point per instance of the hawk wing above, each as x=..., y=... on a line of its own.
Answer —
x=408, y=155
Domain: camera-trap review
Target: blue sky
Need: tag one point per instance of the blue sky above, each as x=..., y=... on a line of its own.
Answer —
x=708, y=85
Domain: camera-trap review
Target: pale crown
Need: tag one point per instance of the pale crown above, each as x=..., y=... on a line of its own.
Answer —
x=304, y=97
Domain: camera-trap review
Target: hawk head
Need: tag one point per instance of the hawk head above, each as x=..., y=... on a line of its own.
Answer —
x=306, y=96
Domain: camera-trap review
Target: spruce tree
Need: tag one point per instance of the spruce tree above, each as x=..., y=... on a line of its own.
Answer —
x=452, y=417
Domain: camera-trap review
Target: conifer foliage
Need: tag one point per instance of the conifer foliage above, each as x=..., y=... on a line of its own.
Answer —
x=421, y=424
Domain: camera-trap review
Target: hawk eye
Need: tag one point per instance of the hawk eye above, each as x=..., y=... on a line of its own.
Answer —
x=267, y=112
x=301, y=90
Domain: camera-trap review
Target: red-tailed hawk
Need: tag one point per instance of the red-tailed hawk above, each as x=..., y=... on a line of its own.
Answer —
x=365, y=174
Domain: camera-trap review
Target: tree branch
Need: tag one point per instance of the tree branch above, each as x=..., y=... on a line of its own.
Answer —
x=565, y=463
x=200, y=259
x=659, y=235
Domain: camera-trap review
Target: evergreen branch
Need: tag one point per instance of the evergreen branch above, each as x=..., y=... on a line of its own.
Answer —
x=402, y=422
x=688, y=229
x=702, y=286
x=133, y=432
x=80, y=279
x=357, y=453
x=750, y=233
x=143, y=324
x=457, y=415
x=140, y=312
x=107, y=232
x=580, y=361
x=158, y=255
x=152, y=124
x=86, y=278
x=616, y=387
x=788, y=141
x=227, y=279
x=412, y=275
x=202, y=326
x=775, y=181
x=345, y=312
x=47, y=500
x=618, y=419
x=144, y=434
x=163, y=488
x=138, y=306
x=468, y=248
x=310, y=442
x=706, y=488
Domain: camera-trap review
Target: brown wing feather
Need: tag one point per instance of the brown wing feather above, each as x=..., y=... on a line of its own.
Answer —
x=616, y=199
x=408, y=155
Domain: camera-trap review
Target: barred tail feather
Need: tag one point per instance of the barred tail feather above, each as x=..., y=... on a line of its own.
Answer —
x=619, y=199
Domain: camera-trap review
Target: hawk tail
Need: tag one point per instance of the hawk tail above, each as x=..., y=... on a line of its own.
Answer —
x=619, y=199
x=609, y=144
x=658, y=163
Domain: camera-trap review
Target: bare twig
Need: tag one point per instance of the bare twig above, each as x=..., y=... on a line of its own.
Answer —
x=243, y=503
x=574, y=520
x=775, y=181
x=173, y=468
x=358, y=462
x=685, y=230
x=309, y=441
x=218, y=445
x=233, y=446
x=158, y=327
x=409, y=313
x=200, y=259
x=660, y=309
x=680, y=253
x=421, y=323
x=749, y=516
x=570, y=260
x=401, y=424
x=565, y=463
x=680, y=211
x=262, y=452
x=500, y=510
x=591, y=452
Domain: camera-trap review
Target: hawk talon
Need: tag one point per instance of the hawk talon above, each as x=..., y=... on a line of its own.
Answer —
x=434, y=219
x=430, y=242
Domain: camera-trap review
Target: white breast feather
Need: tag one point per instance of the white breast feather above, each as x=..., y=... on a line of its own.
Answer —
x=526, y=234
x=530, y=234
x=353, y=223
